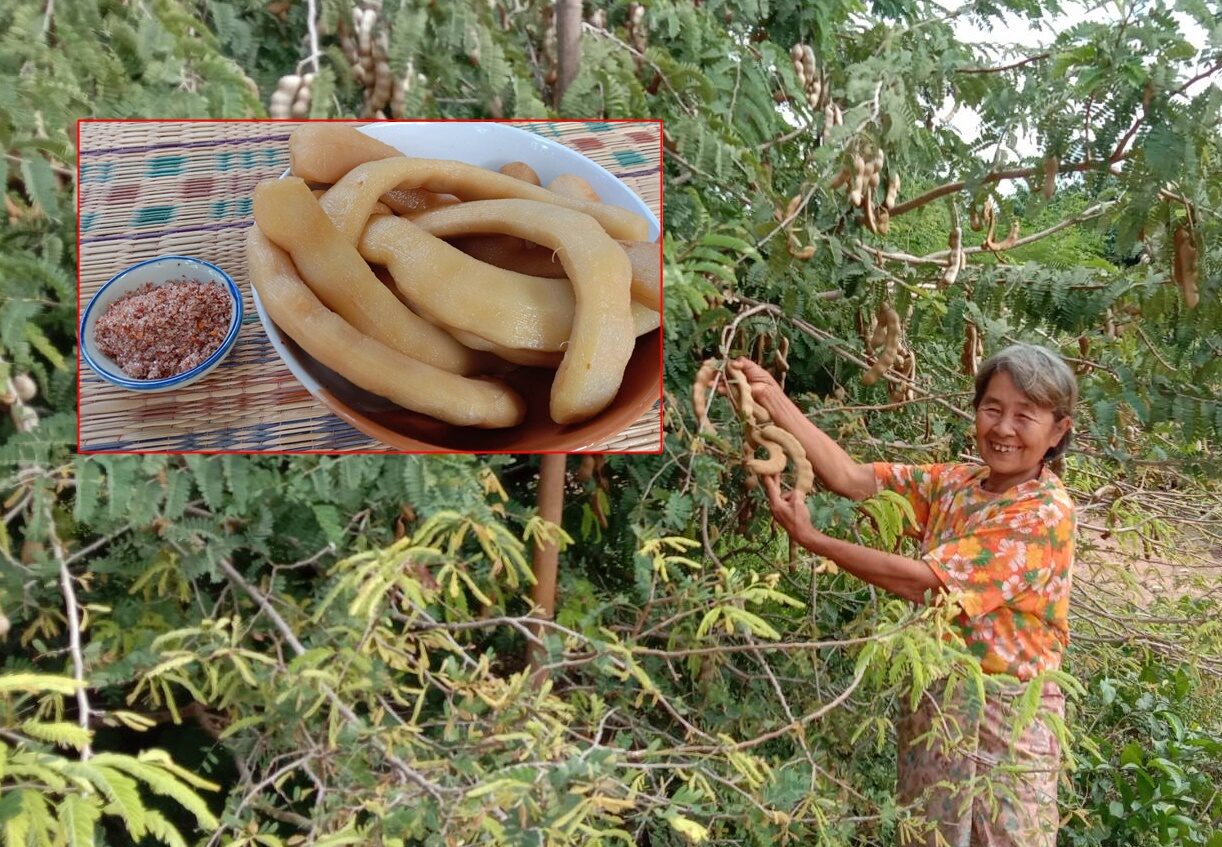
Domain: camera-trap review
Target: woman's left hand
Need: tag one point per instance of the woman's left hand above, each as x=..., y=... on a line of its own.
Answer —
x=791, y=513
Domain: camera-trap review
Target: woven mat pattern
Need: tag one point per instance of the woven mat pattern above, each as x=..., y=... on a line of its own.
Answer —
x=164, y=188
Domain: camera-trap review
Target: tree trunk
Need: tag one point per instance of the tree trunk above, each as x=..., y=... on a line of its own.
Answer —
x=568, y=45
x=546, y=559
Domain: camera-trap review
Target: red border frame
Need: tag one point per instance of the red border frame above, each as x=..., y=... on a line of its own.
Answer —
x=662, y=276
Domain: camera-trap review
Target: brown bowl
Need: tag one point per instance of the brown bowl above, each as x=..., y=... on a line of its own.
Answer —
x=415, y=433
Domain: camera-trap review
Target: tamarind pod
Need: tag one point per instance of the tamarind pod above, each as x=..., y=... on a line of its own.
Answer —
x=1184, y=268
x=967, y=359
x=973, y=220
x=281, y=105
x=514, y=355
x=829, y=117
x=891, y=346
x=316, y=149
x=379, y=208
x=893, y=191
x=1051, y=166
x=804, y=253
x=879, y=335
x=879, y=158
x=320, y=150
x=875, y=179
x=808, y=60
x=743, y=398
x=700, y=396
x=795, y=53
x=293, y=220
x=449, y=287
x=1010, y=240
x=571, y=185
x=522, y=171
x=841, y=179
x=884, y=220
x=792, y=208
x=363, y=360
x=773, y=465
x=804, y=474
x=838, y=114
x=602, y=336
x=868, y=211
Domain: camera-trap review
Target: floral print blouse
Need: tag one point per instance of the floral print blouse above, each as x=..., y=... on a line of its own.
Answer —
x=1009, y=554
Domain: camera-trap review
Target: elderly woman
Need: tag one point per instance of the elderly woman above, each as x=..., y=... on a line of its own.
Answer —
x=999, y=538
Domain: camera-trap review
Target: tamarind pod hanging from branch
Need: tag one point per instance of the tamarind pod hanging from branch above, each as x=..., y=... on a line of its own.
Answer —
x=804, y=474
x=700, y=395
x=1009, y=241
x=1051, y=165
x=743, y=398
x=891, y=346
x=893, y=191
x=774, y=464
x=1185, y=270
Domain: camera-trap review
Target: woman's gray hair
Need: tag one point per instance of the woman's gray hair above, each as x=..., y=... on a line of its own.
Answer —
x=1039, y=373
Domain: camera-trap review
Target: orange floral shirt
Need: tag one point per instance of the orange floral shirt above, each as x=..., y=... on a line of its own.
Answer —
x=1009, y=554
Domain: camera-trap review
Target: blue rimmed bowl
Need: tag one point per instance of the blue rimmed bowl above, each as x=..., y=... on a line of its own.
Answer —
x=157, y=271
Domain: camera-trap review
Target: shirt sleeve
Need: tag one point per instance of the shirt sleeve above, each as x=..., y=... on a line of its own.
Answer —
x=918, y=484
x=1017, y=552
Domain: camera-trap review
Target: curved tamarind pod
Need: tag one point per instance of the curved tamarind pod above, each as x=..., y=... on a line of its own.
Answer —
x=514, y=355
x=311, y=160
x=780, y=360
x=1009, y=241
x=323, y=148
x=363, y=360
x=449, y=287
x=868, y=211
x=291, y=218
x=602, y=337
x=379, y=208
x=1184, y=268
x=700, y=395
x=744, y=400
x=879, y=335
x=792, y=208
x=509, y=253
x=841, y=179
x=891, y=321
x=571, y=185
x=522, y=171
x=773, y=465
x=804, y=253
x=804, y=474
x=968, y=357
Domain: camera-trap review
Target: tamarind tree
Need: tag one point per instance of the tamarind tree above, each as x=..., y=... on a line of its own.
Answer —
x=338, y=650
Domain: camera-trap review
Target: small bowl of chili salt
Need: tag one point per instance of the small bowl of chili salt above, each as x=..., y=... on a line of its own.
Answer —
x=161, y=324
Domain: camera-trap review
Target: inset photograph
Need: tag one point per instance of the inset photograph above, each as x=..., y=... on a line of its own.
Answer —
x=328, y=286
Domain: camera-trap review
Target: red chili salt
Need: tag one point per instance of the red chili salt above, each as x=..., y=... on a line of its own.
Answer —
x=159, y=331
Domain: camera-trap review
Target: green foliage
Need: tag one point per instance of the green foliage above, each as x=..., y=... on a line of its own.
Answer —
x=335, y=649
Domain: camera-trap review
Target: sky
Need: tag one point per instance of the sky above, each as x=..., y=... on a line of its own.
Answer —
x=1025, y=34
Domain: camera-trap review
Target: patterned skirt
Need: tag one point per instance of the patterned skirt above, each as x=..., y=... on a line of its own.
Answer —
x=970, y=782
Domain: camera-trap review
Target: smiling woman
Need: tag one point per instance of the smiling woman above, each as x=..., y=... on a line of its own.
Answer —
x=997, y=538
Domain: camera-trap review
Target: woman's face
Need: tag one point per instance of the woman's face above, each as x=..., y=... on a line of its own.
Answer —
x=1013, y=433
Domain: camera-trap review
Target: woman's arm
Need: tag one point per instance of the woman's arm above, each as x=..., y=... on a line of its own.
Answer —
x=904, y=577
x=837, y=470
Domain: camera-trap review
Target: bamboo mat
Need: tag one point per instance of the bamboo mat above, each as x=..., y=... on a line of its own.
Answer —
x=164, y=188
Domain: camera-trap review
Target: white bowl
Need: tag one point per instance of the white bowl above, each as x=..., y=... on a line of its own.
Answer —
x=488, y=145
x=158, y=271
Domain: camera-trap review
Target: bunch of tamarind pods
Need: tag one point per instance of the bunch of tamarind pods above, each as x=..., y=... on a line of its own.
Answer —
x=760, y=433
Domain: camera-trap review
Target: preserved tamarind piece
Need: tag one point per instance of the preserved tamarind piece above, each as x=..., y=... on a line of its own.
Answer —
x=1184, y=265
x=602, y=339
x=292, y=219
x=364, y=361
x=522, y=171
x=571, y=185
x=891, y=346
x=451, y=288
x=319, y=150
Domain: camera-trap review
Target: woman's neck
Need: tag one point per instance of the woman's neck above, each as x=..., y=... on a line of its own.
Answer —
x=996, y=483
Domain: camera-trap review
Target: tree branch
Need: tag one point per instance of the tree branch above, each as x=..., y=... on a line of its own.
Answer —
x=74, y=632
x=1002, y=68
